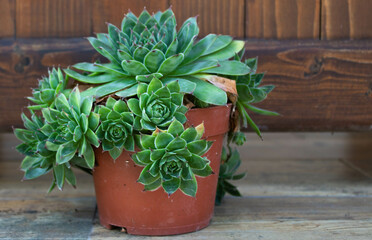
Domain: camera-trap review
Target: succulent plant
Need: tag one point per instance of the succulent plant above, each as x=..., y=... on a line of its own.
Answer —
x=172, y=158
x=48, y=90
x=239, y=138
x=229, y=165
x=157, y=105
x=116, y=128
x=39, y=159
x=70, y=127
x=151, y=46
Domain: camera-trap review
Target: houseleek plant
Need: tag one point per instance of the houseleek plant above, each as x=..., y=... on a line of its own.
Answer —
x=136, y=101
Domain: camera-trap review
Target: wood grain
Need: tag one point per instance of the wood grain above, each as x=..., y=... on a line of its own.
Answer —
x=7, y=18
x=320, y=85
x=53, y=18
x=284, y=19
x=113, y=11
x=23, y=62
x=294, y=189
x=346, y=19
x=214, y=16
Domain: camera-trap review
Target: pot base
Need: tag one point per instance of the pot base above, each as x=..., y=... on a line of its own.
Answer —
x=158, y=231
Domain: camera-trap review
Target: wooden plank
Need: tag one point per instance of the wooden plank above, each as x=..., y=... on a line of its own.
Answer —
x=214, y=16
x=22, y=62
x=320, y=85
x=285, y=19
x=346, y=19
x=7, y=18
x=265, y=214
x=113, y=11
x=53, y=18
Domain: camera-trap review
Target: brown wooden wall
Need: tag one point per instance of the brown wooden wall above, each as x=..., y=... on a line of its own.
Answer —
x=317, y=52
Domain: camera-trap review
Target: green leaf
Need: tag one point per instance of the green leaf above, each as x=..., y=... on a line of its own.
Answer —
x=148, y=141
x=92, y=138
x=103, y=78
x=197, y=147
x=189, y=134
x=35, y=172
x=153, y=186
x=171, y=186
x=177, y=143
x=260, y=110
x=185, y=85
x=162, y=140
x=171, y=63
x=219, y=43
x=207, y=92
x=140, y=53
x=133, y=105
x=27, y=162
x=199, y=48
x=154, y=59
x=175, y=128
x=89, y=156
x=194, y=67
x=59, y=173
x=66, y=152
x=87, y=105
x=145, y=176
x=134, y=67
x=197, y=162
x=77, y=134
x=70, y=176
x=114, y=86
x=128, y=92
x=205, y=172
x=189, y=187
x=225, y=53
x=93, y=120
x=233, y=68
x=115, y=152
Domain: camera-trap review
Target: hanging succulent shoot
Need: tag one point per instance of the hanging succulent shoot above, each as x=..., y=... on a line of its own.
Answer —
x=70, y=127
x=157, y=105
x=151, y=46
x=116, y=128
x=40, y=159
x=172, y=158
x=48, y=90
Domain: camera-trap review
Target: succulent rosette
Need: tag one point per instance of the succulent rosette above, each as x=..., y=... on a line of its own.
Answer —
x=157, y=105
x=172, y=158
x=70, y=128
x=150, y=45
x=39, y=159
x=116, y=128
x=48, y=89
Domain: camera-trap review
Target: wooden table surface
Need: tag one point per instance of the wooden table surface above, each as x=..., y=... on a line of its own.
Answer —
x=298, y=186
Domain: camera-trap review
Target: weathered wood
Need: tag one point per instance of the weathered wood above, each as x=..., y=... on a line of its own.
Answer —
x=113, y=11
x=285, y=19
x=214, y=16
x=294, y=189
x=346, y=19
x=320, y=85
x=53, y=18
x=7, y=18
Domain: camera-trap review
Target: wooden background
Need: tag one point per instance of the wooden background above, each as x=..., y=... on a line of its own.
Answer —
x=317, y=52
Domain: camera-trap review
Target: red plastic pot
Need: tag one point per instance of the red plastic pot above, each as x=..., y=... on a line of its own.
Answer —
x=123, y=203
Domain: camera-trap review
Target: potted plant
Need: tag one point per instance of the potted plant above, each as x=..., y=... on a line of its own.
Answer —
x=148, y=123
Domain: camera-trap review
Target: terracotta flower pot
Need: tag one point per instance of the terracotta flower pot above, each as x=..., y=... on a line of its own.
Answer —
x=123, y=203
